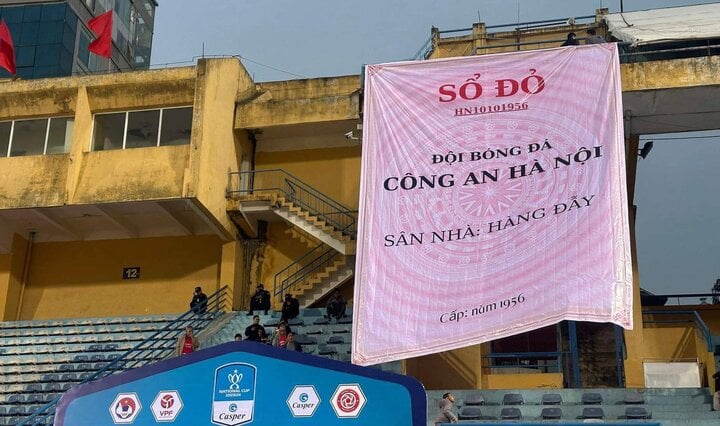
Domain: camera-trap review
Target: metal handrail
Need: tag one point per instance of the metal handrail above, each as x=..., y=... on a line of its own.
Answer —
x=145, y=355
x=701, y=327
x=424, y=49
x=308, y=270
x=298, y=192
x=293, y=268
x=559, y=358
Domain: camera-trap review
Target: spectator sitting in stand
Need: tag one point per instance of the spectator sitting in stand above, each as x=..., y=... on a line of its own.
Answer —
x=290, y=308
x=571, y=40
x=238, y=337
x=260, y=300
x=282, y=324
x=255, y=332
x=198, y=304
x=279, y=339
x=292, y=344
x=593, y=38
x=336, y=306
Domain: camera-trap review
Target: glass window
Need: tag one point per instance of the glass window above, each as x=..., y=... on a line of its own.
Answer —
x=142, y=130
x=60, y=135
x=5, y=127
x=25, y=56
x=52, y=32
x=32, y=13
x=176, y=126
x=109, y=131
x=13, y=14
x=28, y=137
x=53, y=12
x=68, y=40
x=29, y=34
x=47, y=54
x=45, y=72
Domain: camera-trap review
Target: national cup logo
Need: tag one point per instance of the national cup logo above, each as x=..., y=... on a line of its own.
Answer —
x=234, y=394
x=234, y=378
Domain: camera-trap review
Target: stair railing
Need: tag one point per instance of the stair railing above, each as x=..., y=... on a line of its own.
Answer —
x=303, y=269
x=300, y=193
x=159, y=345
x=700, y=326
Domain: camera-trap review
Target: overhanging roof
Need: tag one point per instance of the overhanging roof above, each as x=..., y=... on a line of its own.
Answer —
x=666, y=25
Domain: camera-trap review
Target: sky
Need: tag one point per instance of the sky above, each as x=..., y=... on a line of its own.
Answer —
x=678, y=228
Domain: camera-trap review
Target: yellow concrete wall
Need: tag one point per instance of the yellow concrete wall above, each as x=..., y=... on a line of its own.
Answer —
x=287, y=243
x=11, y=275
x=301, y=101
x=214, y=150
x=456, y=369
x=84, y=279
x=131, y=174
x=669, y=343
x=334, y=171
x=37, y=180
x=525, y=381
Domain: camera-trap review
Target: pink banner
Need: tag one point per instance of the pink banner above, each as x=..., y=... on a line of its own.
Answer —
x=492, y=200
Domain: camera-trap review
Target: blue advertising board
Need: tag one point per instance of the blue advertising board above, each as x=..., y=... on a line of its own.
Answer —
x=246, y=383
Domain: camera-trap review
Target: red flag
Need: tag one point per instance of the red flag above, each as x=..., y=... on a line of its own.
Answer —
x=7, y=49
x=102, y=27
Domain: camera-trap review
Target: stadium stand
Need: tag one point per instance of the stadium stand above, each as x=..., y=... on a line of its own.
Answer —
x=43, y=359
x=672, y=407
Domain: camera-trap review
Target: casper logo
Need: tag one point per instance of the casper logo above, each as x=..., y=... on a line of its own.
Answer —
x=303, y=401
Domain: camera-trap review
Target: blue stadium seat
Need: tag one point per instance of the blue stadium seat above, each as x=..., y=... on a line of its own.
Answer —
x=634, y=398
x=475, y=399
x=591, y=398
x=510, y=413
x=66, y=367
x=312, y=312
x=69, y=377
x=321, y=321
x=17, y=410
x=53, y=377
x=470, y=413
x=81, y=358
x=305, y=339
x=34, y=399
x=97, y=358
x=513, y=399
x=111, y=347
x=314, y=330
x=16, y=399
x=326, y=350
x=272, y=322
x=345, y=320
x=34, y=387
x=339, y=329
x=335, y=340
x=296, y=322
x=636, y=413
x=592, y=413
x=551, y=399
x=551, y=413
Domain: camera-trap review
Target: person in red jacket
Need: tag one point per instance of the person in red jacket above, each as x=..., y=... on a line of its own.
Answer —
x=187, y=342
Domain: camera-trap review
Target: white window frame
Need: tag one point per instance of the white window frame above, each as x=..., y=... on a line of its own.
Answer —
x=125, y=127
x=47, y=134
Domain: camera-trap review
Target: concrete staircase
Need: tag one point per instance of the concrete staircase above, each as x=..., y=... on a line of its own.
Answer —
x=326, y=280
x=313, y=225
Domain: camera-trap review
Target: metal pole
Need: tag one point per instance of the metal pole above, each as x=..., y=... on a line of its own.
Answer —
x=574, y=354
